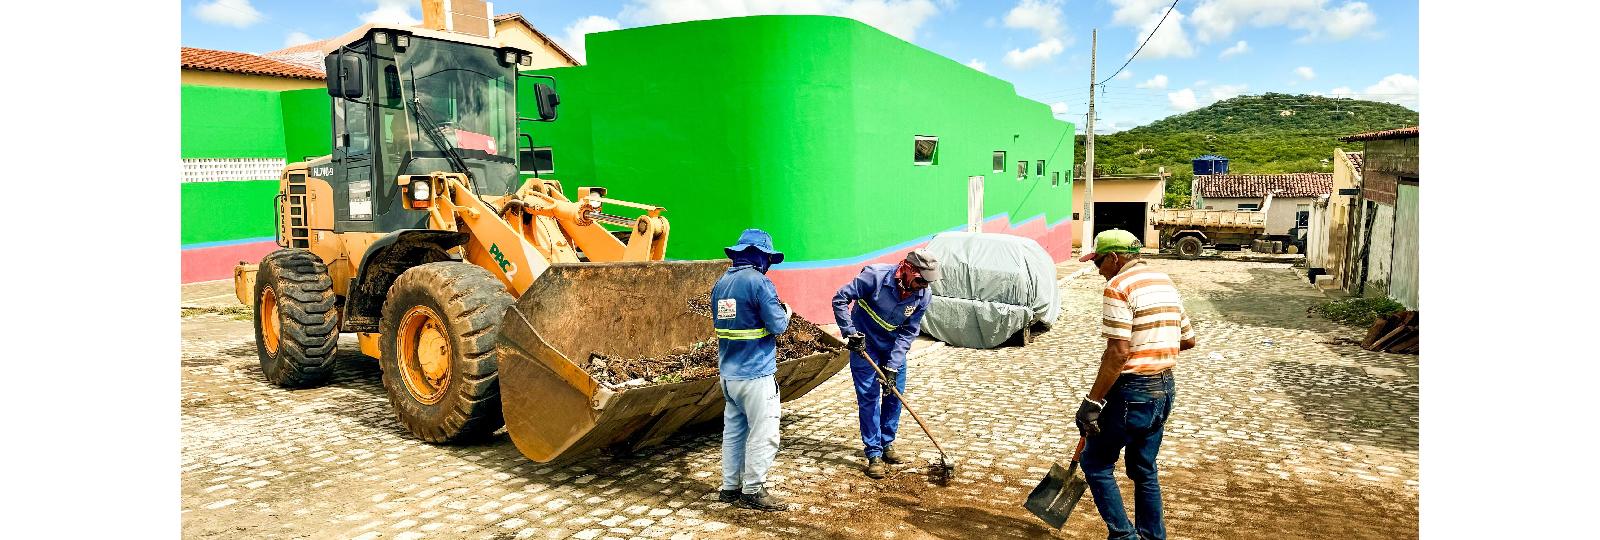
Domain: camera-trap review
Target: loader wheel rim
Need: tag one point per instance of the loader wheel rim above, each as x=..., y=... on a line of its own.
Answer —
x=269, y=320
x=425, y=355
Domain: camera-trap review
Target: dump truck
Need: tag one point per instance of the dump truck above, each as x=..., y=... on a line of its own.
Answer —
x=483, y=296
x=1186, y=231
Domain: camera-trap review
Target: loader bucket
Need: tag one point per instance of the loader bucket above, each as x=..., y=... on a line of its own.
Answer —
x=554, y=408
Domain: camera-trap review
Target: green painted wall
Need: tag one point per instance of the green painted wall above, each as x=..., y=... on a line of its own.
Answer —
x=218, y=211
x=307, y=119
x=221, y=122
x=812, y=143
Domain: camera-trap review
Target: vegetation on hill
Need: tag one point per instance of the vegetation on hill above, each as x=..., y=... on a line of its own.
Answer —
x=1255, y=133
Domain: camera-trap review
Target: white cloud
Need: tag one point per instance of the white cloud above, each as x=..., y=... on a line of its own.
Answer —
x=1044, y=18
x=1399, y=89
x=1225, y=91
x=978, y=65
x=1158, y=82
x=573, y=40
x=391, y=12
x=297, y=38
x=1217, y=19
x=1238, y=48
x=1058, y=108
x=1045, y=50
x=901, y=18
x=235, y=13
x=1201, y=82
x=1305, y=72
x=1170, y=40
x=1183, y=100
x=1125, y=75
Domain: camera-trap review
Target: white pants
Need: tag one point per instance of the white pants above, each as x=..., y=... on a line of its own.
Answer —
x=750, y=415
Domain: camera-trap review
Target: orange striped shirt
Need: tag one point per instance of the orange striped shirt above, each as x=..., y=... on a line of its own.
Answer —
x=1142, y=307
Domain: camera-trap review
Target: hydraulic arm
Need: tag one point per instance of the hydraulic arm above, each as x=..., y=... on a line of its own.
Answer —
x=518, y=236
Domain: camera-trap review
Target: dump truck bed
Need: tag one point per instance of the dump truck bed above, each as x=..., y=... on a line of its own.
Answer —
x=1208, y=219
x=553, y=407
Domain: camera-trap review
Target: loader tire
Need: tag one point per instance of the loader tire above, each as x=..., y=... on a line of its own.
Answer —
x=296, y=319
x=1188, y=248
x=438, y=332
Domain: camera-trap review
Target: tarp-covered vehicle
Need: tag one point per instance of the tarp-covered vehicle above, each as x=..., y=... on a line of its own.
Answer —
x=994, y=287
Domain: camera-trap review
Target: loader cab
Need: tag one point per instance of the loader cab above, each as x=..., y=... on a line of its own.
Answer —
x=407, y=101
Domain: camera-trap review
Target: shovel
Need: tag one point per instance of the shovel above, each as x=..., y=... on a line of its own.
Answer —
x=941, y=471
x=1055, y=496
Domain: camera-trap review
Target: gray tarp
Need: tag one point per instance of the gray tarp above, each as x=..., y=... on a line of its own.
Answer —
x=993, y=286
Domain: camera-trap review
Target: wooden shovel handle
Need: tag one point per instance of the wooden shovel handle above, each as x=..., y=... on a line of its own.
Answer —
x=1079, y=451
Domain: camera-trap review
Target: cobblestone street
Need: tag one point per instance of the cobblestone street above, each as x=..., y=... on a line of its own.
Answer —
x=1281, y=429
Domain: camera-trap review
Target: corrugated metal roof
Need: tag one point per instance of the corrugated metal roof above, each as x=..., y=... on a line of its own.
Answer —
x=1401, y=133
x=1258, y=185
x=246, y=63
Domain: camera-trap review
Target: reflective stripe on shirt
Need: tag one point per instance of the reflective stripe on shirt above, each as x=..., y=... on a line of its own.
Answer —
x=753, y=333
x=875, y=317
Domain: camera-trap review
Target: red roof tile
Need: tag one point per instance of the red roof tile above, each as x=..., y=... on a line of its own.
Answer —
x=238, y=62
x=1258, y=185
x=1356, y=159
x=1401, y=133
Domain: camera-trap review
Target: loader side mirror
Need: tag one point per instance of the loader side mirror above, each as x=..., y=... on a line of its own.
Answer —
x=345, y=75
x=547, y=100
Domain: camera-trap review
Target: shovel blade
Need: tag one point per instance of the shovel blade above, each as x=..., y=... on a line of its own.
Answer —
x=1056, y=495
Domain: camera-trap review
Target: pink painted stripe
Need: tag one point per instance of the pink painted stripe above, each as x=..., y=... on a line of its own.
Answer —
x=209, y=263
x=810, y=291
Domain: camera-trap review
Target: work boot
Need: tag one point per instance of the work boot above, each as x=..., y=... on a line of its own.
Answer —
x=762, y=500
x=728, y=495
x=890, y=457
x=876, y=468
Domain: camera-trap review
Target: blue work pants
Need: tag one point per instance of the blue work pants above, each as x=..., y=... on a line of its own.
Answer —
x=878, y=409
x=750, y=414
x=1135, y=414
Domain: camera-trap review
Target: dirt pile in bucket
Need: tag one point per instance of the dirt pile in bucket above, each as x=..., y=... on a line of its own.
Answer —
x=698, y=360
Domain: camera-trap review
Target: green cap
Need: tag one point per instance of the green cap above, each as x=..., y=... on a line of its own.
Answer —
x=1113, y=241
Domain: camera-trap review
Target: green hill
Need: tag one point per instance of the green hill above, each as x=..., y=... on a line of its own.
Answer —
x=1253, y=132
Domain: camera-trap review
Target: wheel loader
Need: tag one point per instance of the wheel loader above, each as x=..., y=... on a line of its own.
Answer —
x=482, y=295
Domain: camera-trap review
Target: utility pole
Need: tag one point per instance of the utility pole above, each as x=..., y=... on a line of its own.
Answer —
x=1088, y=154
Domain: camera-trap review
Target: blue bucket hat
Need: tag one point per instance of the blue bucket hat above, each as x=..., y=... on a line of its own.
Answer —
x=755, y=238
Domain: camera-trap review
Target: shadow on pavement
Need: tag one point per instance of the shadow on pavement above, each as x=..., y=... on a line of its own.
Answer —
x=1352, y=405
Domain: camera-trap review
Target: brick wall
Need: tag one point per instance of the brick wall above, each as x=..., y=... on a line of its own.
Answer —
x=1386, y=162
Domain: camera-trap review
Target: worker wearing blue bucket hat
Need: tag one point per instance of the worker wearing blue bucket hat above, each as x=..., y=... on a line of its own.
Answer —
x=748, y=318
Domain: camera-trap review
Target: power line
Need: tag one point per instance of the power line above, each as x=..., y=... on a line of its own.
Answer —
x=1146, y=41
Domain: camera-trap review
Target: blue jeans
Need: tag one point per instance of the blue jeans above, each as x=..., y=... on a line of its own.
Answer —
x=1136, y=411
x=878, y=409
x=750, y=414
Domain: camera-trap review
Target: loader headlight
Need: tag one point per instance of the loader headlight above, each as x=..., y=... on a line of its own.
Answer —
x=420, y=190
x=511, y=57
x=402, y=41
x=382, y=38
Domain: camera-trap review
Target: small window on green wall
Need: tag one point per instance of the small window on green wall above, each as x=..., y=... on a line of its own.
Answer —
x=1055, y=178
x=1022, y=170
x=927, y=150
x=999, y=161
x=1039, y=170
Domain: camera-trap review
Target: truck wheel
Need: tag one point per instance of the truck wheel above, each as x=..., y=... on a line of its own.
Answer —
x=437, y=338
x=1188, y=248
x=296, y=322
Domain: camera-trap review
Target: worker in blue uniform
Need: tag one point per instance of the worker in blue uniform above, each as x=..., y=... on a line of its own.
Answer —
x=748, y=318
x=880, y=312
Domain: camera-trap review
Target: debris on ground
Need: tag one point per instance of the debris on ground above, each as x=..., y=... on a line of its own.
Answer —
x=242, y=313
x=698, y=360
x=1397, y=333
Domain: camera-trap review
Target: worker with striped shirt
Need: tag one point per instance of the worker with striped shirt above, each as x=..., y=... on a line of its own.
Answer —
x=1145, y=327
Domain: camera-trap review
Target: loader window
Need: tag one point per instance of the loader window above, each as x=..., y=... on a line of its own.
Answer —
x=470, y=98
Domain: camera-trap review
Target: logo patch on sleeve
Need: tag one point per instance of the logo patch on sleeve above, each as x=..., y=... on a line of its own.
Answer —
x=727, y=308
x=910, y=309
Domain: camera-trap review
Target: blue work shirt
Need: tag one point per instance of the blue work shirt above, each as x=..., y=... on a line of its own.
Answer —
x=748, y=318
x=888, y=322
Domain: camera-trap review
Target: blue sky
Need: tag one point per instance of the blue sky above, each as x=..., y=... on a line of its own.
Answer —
x=1205, y=50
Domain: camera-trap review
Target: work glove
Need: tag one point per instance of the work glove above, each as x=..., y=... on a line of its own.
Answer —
x=1089, y=417
x=888, y=378
x=856, y=342
x=787, y=313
